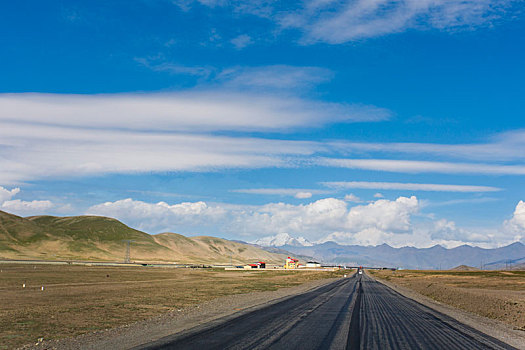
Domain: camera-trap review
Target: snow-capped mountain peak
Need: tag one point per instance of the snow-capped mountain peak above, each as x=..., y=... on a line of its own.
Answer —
x=282, y=239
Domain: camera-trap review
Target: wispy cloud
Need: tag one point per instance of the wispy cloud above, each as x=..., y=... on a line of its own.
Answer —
x=337, y=22
x=29, y=151
x=462, y=201
x=182, y=111
x=505, y=146
x=300, y=193
x=258, y=78
x=43, y=135
x=409, y=186
x=46, y=135
x=415, y=166
x=241, y=41
x=280, y=77
x=174, y=68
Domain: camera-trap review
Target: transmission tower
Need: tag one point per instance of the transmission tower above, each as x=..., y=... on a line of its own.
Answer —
x=127, y=259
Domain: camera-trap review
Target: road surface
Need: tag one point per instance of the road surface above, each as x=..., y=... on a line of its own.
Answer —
x=351, y=313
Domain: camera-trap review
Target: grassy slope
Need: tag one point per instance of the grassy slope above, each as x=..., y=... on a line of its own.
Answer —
x=101, y=238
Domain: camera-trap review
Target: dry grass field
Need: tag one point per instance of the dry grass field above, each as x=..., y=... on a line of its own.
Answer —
x=498, y=295
x=81, y=299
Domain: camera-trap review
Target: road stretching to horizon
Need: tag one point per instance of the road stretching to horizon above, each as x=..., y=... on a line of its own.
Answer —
x=351, y=313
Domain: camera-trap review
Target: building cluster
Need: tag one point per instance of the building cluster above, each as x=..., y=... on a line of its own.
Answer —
x=289, y=264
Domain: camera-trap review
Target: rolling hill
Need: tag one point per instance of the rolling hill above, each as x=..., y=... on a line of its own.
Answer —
x=102, y=239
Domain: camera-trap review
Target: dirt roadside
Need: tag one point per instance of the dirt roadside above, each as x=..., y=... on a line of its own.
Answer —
x=498, y=330
x=142, y=332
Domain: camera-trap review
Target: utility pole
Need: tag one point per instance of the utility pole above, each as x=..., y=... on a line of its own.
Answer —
x=127, y=259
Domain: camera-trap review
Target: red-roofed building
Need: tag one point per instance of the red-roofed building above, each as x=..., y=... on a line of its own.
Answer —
x=258, y=265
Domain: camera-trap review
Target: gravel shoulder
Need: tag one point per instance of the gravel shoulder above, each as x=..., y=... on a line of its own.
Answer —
x=488, y=326
x=178, y=321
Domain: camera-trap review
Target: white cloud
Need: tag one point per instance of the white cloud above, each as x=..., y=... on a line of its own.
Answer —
x=236, y=219
x=241, y=41
x=516, y=225
x=383, y=215
x=352, y=198
x=415, y=166
x=303, y=195
x=337, y=22
x=20, y=207
x=378, y=195
x=159, y=216
x=6, y=194
x=448, y=231
x=409, y=186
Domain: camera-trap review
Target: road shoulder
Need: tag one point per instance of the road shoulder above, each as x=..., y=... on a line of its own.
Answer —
x=179, y=321
x=493, y=328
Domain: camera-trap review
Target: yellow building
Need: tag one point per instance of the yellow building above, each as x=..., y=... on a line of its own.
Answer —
x=291, y=263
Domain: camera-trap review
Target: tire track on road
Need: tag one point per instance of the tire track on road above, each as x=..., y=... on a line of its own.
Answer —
x=351, y=313
x=354, y=334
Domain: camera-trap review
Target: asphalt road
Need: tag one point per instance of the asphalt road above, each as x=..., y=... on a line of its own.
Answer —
x=351, y=313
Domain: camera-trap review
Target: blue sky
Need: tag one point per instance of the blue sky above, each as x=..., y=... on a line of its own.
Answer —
x=354, y=121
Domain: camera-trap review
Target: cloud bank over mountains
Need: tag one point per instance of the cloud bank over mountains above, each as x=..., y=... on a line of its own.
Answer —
x=396, y=222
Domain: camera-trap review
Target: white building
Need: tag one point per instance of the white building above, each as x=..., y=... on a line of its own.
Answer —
x=313, y=264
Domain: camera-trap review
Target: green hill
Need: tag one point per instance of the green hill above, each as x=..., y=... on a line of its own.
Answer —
x=103, y=239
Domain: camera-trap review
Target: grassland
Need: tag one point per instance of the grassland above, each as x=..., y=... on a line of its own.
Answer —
x=81, y=299
x=498, y=295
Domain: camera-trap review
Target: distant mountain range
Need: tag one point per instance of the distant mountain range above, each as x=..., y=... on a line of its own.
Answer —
x=436, y=257
x=103, y=239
